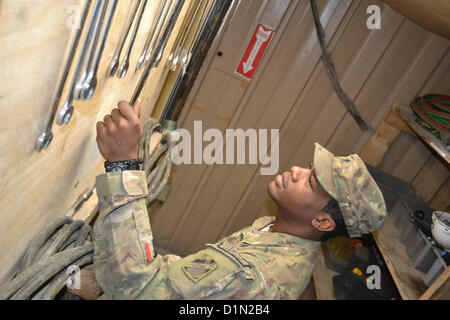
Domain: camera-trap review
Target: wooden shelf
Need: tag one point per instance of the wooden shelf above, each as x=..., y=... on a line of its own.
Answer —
x=409, y=280
x=410, y=118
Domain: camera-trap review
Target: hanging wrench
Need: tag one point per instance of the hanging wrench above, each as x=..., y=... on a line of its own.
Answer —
x=180, y=35
x=66, y=111
x=114, y=64
x=97, y=23
x=204, y=17
x=160, y=28
x=90, y=83
x=46, y=137
x=151, y=34
x=123, y=69
x=186, y=34
x=161, y=44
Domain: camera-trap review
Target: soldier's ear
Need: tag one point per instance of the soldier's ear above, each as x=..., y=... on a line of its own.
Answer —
x=323, y=222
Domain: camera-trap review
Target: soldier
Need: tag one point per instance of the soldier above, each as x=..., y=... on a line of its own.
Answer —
x=272, y=259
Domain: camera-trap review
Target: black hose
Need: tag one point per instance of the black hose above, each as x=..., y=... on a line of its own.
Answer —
x=42, y=237
x=60, y=280
x=61, y=258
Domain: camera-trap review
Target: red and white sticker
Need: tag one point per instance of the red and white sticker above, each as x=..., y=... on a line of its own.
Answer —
x=255, y=51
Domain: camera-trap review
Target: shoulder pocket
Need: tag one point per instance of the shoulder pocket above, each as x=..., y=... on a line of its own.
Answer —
x=207, y=271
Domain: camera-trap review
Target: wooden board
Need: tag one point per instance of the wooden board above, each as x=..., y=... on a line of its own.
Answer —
x=440, y=289
x=323, y=279
x=409, y=280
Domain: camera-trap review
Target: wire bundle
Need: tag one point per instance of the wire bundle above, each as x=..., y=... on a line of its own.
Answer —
x=434, y=112
x=40, y=274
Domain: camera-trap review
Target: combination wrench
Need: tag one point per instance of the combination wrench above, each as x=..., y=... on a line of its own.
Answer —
x=180, y=34
x=123, y=69
x=114, y=64
x=161, y=45
x=97, y=26
x=66, y=111
x=160, y=28
x=204, y=17
x=90, y=84
x=46, y=137
x=185, y=36
x=151, y=34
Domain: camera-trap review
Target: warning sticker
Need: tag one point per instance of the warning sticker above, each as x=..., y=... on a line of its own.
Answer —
x=255, y=51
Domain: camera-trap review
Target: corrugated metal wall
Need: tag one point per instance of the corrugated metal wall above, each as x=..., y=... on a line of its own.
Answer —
x=291, y=91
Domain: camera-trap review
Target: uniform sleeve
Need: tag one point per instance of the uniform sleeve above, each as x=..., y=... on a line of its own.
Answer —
x=126, y=265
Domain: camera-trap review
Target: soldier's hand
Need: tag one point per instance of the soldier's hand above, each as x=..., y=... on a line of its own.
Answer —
x=119, y=134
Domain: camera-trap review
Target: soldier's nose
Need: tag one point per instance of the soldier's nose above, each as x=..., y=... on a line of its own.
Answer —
x=297, y=173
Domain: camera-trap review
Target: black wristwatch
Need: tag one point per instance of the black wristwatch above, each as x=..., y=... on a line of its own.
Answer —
x=115, y=166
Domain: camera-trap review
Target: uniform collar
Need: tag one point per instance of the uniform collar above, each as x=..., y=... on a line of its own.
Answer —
x=277, y=238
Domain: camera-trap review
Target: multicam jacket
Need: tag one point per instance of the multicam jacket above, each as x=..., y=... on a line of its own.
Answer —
x=249, y=264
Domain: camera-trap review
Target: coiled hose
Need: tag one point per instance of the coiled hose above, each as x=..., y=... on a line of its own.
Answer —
x=41, y=271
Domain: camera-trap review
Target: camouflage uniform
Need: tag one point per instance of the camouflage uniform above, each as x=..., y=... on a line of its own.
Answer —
x=249, y=264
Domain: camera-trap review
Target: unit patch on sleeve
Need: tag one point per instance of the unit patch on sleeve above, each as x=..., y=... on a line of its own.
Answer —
x=200, y=267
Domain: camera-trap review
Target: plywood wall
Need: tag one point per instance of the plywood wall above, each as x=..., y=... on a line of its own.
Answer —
x=38, y=187
x=291, y=92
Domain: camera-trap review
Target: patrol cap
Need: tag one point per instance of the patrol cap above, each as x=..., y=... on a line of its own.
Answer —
x=347, y=180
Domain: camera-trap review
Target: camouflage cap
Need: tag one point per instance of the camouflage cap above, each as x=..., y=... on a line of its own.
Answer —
x=347, y=180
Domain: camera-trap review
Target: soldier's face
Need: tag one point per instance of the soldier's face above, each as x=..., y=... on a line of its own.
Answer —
x=298, y=193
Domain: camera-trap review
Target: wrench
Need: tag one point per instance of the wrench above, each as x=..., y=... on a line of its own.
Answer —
x=151, y=34
x=79, y=202
x=66, y=111
x=114, y=64
x=97, y=23
x=205, y=14
x=160, y=28
x=46, y=137
x=90, y=83
x=161, y=44
x=180, y=35
x=186, y=34
x=123, y=69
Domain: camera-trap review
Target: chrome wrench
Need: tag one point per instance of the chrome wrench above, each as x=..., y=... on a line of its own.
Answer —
x=90, y=83
x=161, y=44
x=46, y=137
x=205, y=14
x=160, y=28
x=97, y=23
x=66, y=111
x=114, y=64
x=180, y=35
x=151, y=34
x=123, y=69
x=186, y=34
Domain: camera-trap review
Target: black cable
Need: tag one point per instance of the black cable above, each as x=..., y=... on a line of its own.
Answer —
x=331, y=70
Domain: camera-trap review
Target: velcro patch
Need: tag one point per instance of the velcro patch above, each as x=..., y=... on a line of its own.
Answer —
x=200, y=267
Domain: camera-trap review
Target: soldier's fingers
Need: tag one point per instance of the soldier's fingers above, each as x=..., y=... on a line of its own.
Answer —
x=127, y=111
x=137, y=107
x=109, y=123
x=100, y=128
x=115, y=115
